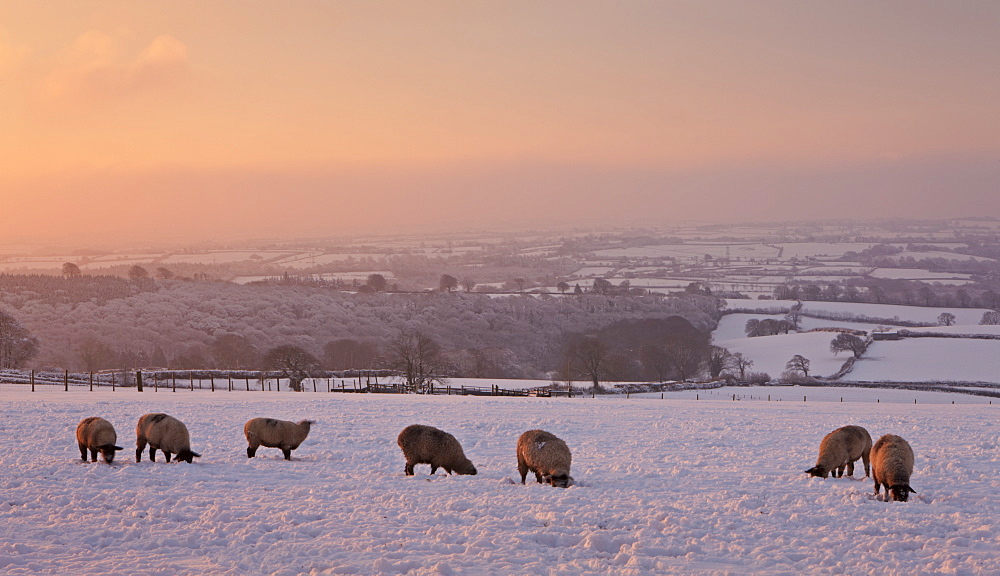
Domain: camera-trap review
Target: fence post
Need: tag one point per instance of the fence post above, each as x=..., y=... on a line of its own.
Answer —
x=230, y=382
x=138, y=380
x=211, y=378
x=314, y=384
x=91, y=381
x=191, y=379
x=32, y=380
x=156, y=381
x=173, y=380
x=112, y=380
x=66, y=383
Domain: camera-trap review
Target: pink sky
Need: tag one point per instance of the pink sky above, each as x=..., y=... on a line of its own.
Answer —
x=184, y=120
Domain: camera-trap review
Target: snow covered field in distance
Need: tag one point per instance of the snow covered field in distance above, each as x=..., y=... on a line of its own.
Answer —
x=672, y=486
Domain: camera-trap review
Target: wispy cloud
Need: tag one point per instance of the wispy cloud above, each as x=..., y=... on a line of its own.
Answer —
x=102, y=68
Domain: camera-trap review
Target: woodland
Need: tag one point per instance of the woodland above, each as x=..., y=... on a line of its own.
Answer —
x=105, y=322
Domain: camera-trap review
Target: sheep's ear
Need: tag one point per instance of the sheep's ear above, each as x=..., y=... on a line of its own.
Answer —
x=812, y=471
x=110, y=447
x=195, y=455
x=117, y=448
x=907, y=487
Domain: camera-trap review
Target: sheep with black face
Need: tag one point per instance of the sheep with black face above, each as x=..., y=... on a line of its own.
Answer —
x=840, y=449
x=95, y=434
x=892, y=466
x=546, y=455
x=166, y=433
x=428, y=445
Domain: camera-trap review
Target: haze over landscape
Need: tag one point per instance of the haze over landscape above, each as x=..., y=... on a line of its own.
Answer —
x=188, y=121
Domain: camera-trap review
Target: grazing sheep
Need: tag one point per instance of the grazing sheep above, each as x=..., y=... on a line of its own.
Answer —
x=892, y=465
x=840, y=449
x=546, y=455
x=428, y=445
x=275, y=434
x=97, y=435
x=165, y=433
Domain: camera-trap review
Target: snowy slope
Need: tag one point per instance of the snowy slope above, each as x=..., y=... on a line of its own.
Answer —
x=771, y=353
x=929, y=360
x=673, y=486
x=922, y=314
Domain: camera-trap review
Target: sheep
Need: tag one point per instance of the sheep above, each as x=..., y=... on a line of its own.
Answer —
x=97, y=435
x=428, y=445
x=546, y=455
x=840, y=449
x=275, y=434
x=892, y=465
x=165, y=433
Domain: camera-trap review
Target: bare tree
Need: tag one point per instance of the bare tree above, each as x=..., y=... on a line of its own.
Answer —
x=164, y=273
x=292, y=362
x=377, y=282
x=990, y=317
x=137, y=273
x=848, y=343
x=654, y=362
x=17, y=345
x=70, y=270
x=718, y=360
x=468, y=284
x=562, y=287
x=684, y=356
x=798, y=363
x=742, y=363
x=591, y=355
x=946, y=319
x=447, y=283
x=418, y=357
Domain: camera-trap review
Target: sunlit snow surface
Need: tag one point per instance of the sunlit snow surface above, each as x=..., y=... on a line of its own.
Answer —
x=684, y=486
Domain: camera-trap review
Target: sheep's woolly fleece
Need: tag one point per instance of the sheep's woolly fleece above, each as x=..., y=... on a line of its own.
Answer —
x=683, y=486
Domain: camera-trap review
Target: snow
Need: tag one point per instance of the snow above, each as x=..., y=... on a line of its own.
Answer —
x=923, y=314
x=771, y=353
x=928, y=360
x=921, y=274
x=674, y=486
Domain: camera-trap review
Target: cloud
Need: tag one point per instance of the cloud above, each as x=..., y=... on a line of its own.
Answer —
x=100, y=68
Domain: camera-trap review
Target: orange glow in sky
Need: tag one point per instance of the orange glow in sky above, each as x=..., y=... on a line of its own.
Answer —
x=185, y=120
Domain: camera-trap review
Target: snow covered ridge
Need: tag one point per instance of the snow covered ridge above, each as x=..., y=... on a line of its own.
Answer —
x=674, y=486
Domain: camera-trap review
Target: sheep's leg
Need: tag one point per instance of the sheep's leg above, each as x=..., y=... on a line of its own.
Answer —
x=522, y=468
x=251, y=451
x=864, y=458
x=850, y=468
x=287, y=452
x=538, y=477
x=409, y=469
x=433, y=468
x=166, y=455
x=93, y=455
x=152, y=453
x=140, y=445
x=83, y=452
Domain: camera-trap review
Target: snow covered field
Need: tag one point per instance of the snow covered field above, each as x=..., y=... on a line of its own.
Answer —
x=682, y=486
